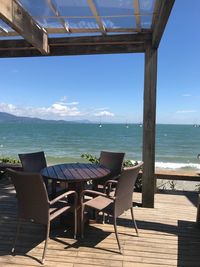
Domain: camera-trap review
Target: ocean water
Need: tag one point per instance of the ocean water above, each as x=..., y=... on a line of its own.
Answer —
x=177, y=146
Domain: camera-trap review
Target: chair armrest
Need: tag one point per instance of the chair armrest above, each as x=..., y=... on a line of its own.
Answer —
x=92, y=192
x=110, y=182
x=108, y=186
x=71, y=192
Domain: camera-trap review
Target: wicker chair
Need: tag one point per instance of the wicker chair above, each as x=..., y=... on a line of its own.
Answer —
x=34, y=205
x=113, y=205
x=34, y=162
x=114, y=162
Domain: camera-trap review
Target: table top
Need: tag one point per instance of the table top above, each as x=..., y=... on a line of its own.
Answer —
x=75, y=172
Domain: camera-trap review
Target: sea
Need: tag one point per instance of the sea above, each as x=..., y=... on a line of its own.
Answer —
x=177, y=146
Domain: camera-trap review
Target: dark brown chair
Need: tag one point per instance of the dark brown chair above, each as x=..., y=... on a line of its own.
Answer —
x=34, y=162
x=114, y=162
x=34, y=205
x=113, y=205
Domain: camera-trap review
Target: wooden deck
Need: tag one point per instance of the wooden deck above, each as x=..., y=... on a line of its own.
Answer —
x=168, y=237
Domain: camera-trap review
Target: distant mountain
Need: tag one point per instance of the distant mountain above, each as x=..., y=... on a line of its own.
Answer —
x=7, y=117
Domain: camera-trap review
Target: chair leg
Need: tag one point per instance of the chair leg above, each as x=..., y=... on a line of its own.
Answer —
x=46, y=241
x=106, y=218
x=136, y=229
x=103, y=218
x=82, y=220
x=53, y=189
x=46, y=182
x=16, y=235
x=116, y=234
x=96, y=216
x=75, y=223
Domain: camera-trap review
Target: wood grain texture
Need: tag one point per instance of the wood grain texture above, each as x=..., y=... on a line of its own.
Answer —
x=168, y=237
x=75, y=172
x=149, y=119
x=20, y=20
x=127, y=43
x=160, y=21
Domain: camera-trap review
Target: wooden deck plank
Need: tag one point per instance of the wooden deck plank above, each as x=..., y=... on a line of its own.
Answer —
x=168, y=236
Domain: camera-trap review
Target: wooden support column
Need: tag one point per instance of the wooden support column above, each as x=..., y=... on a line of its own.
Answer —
x=149, y=118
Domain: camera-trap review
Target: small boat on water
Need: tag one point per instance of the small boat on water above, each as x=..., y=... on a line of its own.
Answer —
x=100, y=123
x=127, y=126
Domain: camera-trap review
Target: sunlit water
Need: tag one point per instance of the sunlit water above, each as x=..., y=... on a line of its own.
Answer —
x=177, y=146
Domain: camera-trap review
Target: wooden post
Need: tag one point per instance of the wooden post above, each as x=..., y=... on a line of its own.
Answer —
x=149, y=118
x=198, y=212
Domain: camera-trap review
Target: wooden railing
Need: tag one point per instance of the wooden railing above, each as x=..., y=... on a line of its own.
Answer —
x=176, y=176
x=4, y=166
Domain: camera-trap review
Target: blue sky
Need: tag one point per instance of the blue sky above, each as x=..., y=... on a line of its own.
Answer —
x=110, y=87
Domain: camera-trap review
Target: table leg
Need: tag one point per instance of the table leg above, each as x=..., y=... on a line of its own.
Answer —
x=53, y=189
x=78, y=187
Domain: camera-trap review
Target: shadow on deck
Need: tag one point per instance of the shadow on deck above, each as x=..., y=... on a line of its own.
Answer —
x=168, y=236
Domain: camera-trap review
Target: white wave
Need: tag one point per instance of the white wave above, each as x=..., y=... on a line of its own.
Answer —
x=172, y=165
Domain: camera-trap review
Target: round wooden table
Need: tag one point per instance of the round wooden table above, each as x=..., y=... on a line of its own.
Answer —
x=76, y=174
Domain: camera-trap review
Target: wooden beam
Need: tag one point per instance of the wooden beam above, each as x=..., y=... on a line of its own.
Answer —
x=96, y=15
x=165, y=7
x=96, y=49
x=3, y=31
x=55, y=11
x=20, y=20
x=126, y=43
x=137, y=14
x=66, y=50
x=92, y=40
x=149, y=118
x=157, y=6
x=82, y=30
x=134, y=38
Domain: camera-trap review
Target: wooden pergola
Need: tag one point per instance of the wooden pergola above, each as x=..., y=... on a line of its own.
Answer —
x=88, y=27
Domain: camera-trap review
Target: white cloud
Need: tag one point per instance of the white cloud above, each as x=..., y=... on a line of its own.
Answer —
x=7, y=108
x=62, y=110
x=55, y=111
x=63, y=100
x=104, y=113
x=75, y=103
x=187, y=95
x=186, y=111
x=100, y=109
x=58, y=110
